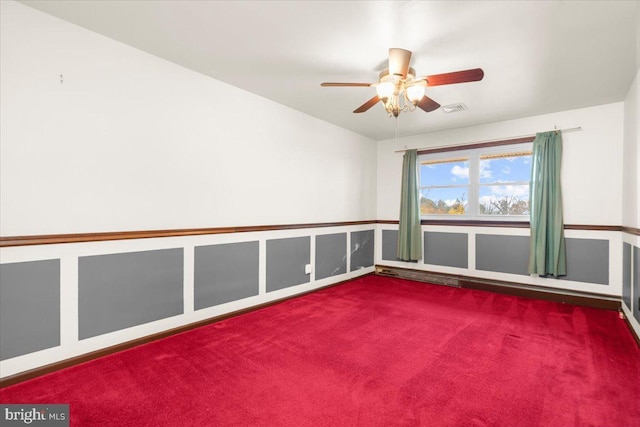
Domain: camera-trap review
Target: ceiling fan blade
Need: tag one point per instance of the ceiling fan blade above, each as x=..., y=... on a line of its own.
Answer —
x=399, y=60
x=331, y=84
x=472, y=75
x=370, y=103
x=428, y=104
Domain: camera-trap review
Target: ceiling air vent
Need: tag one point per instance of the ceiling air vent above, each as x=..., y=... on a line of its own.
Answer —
x=454, y=108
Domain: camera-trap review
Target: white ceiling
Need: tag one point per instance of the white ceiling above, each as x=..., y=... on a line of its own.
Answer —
x=538, y=56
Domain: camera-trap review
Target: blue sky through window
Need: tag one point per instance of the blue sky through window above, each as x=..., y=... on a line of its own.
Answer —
x=507, y=169
x=502, y=178
x=450, y=173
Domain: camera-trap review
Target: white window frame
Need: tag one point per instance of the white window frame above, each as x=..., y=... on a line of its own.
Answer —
x=473, y=198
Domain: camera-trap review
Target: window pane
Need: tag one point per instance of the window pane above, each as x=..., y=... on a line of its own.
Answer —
x=504, y=200
x=444, y=172
x=505, y=169
x=443, y=201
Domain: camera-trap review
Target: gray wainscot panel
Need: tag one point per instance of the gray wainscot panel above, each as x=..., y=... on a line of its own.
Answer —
x=504, y=254
x=331, y=255
x=587, y=261
x=390, y=245
x=118, y=291
x=636, y=283
x=362, y=246
x=224, y=273
x=448, y=249
x=29, y=307
x=286, y=259
x=626, y=274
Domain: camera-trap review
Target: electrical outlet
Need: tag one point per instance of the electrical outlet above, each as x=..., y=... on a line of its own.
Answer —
x=308, y=269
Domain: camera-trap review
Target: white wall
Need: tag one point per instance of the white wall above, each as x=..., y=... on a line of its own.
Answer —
x=591, y=163
x=631, y=182
x=129, y=141
x=631, y=208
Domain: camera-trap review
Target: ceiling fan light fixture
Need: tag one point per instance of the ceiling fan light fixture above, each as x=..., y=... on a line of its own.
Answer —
x=385, y=89
x=400, y=90
x=415, y=93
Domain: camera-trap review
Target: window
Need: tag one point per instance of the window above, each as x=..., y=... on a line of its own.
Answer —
x=448, y=186
x=479, y=183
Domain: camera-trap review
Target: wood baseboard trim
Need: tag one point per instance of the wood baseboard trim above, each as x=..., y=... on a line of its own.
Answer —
x=633, y=331
x=585, y=299
x=56, y=366
x=604, y=302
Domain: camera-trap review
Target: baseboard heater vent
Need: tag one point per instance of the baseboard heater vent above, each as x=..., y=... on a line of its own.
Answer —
x=564, y=296
x=418, y=276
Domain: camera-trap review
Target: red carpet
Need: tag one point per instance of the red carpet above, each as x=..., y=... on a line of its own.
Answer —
x=372, y=352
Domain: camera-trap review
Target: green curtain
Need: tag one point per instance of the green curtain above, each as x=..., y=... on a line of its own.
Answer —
x=409, y=242
x=547, y=247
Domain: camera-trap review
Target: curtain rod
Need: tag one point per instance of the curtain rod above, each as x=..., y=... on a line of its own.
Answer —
x=578, y=128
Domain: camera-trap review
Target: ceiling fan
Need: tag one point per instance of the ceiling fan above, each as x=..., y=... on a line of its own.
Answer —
x=400, y=90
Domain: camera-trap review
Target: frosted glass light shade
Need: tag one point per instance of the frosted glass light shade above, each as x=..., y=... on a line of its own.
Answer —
x=415, y=93
x=385, y=89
